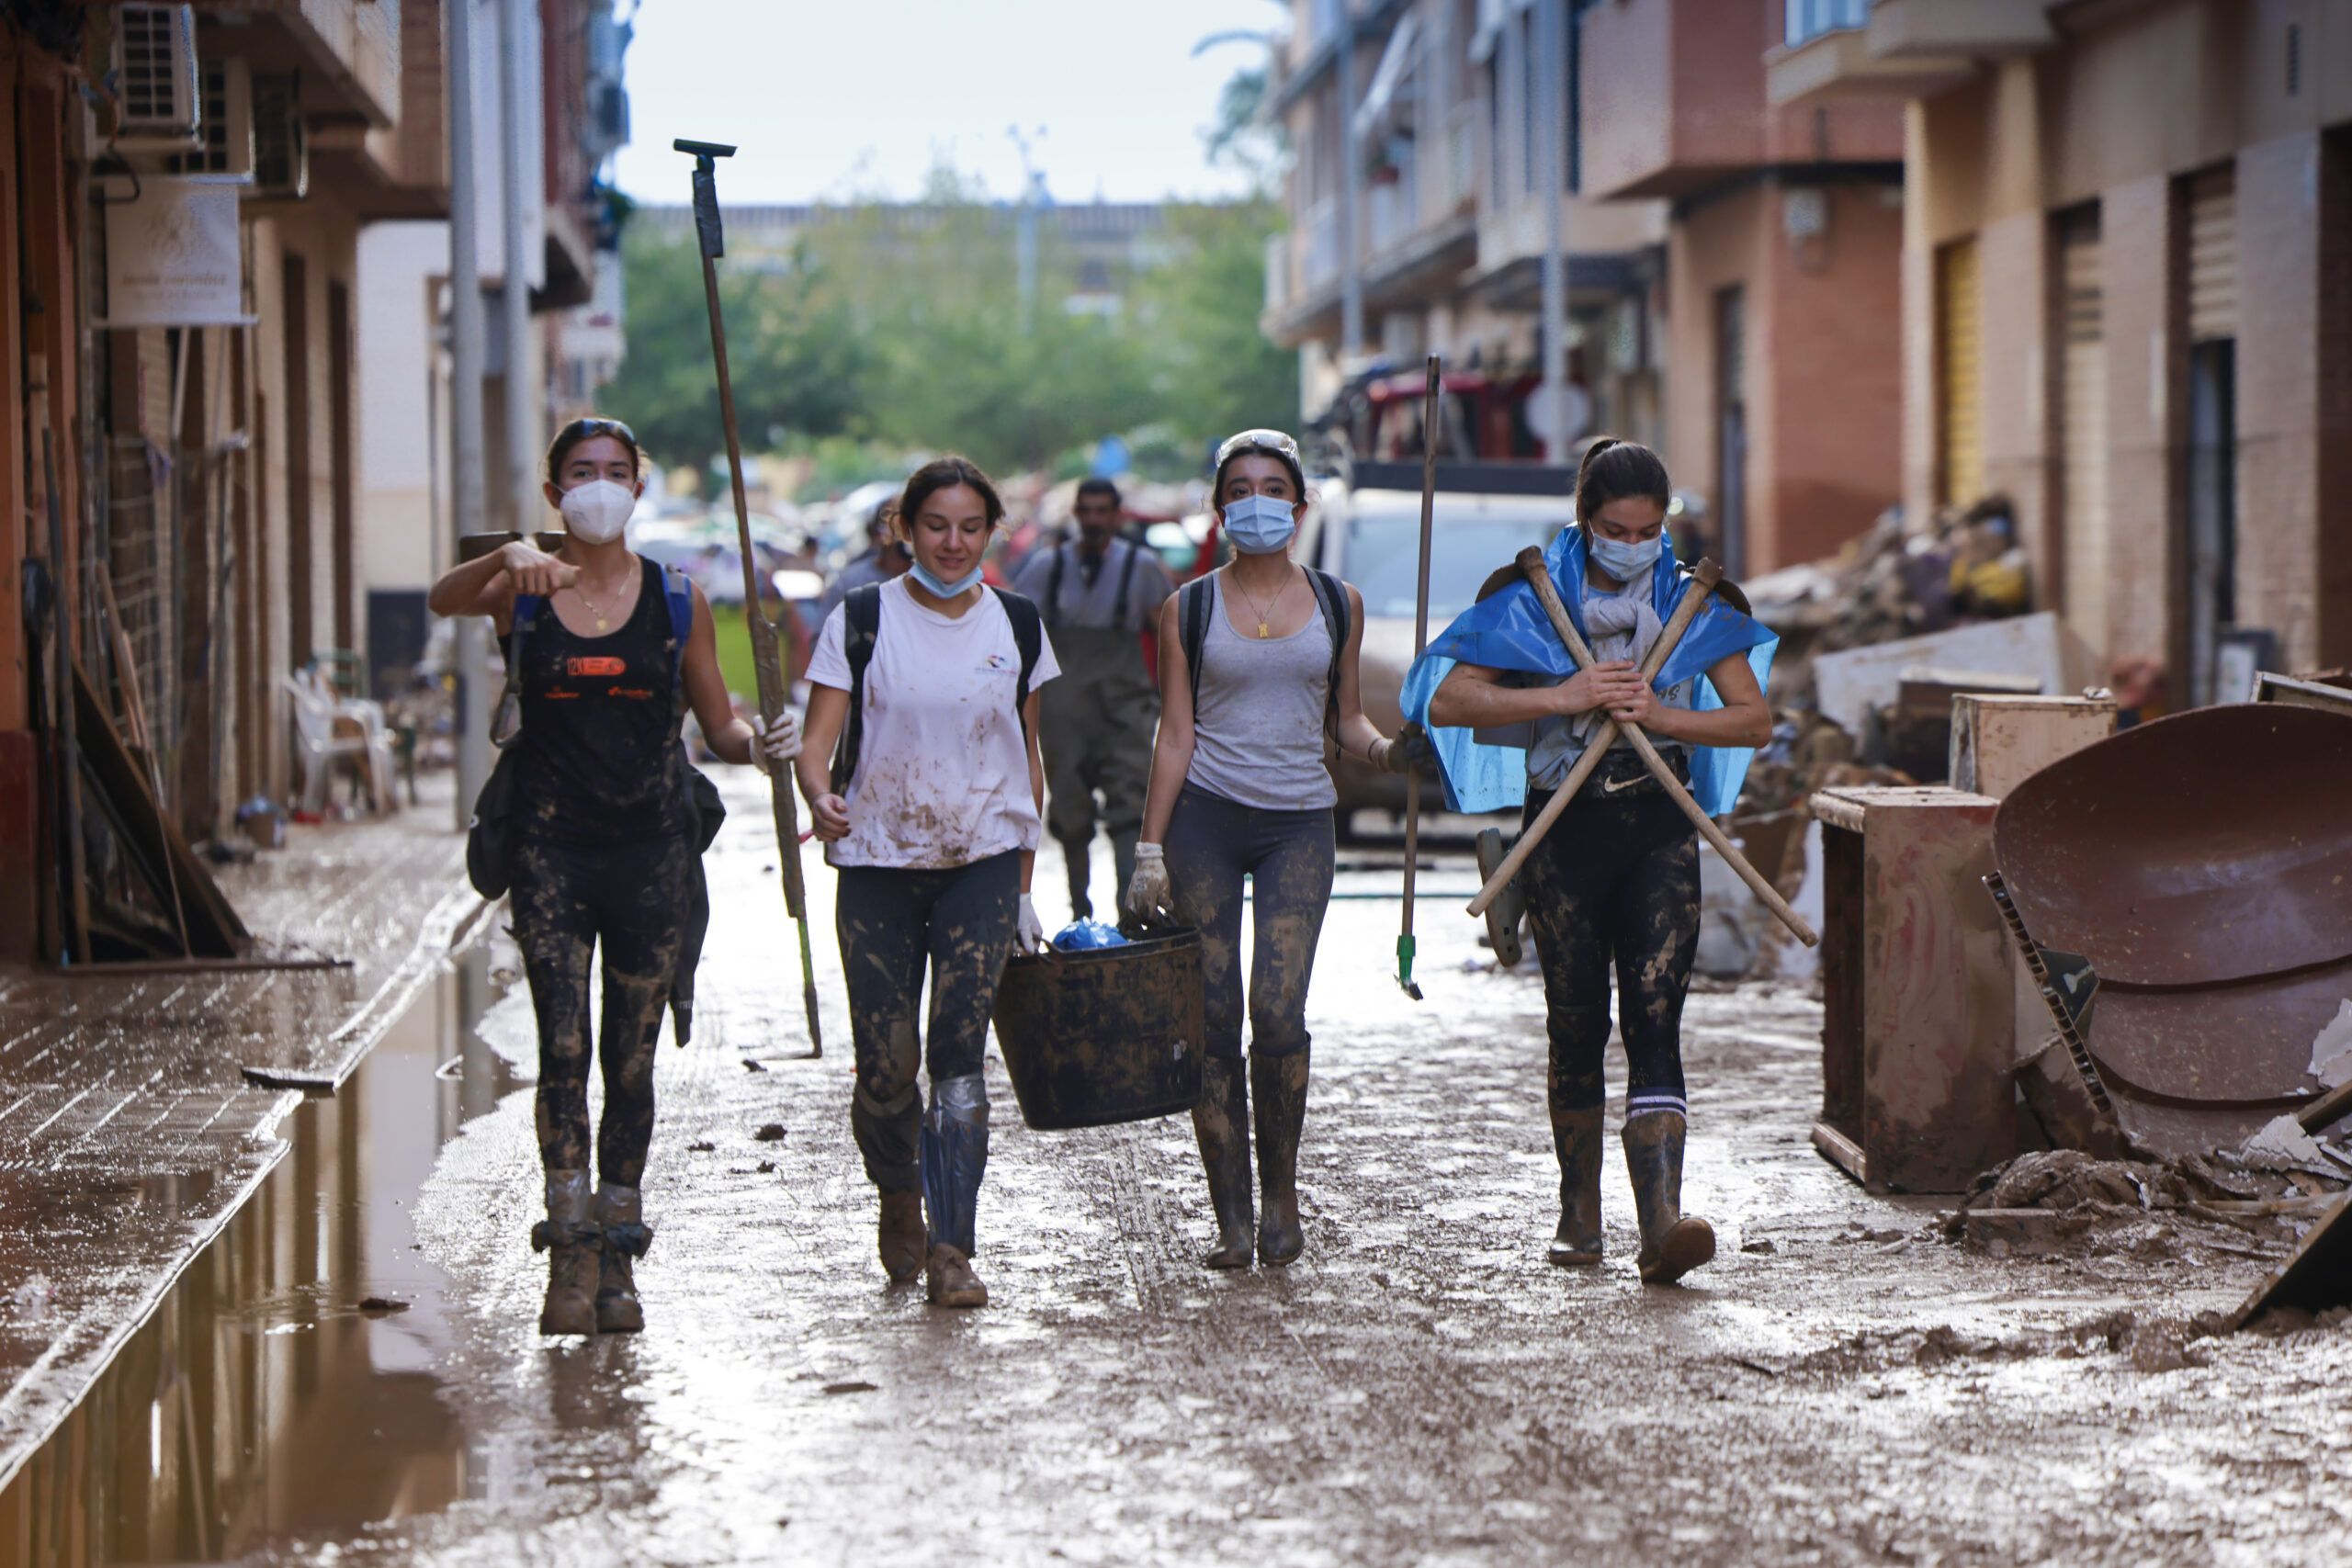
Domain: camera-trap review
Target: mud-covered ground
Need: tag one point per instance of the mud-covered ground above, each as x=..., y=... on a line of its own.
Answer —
x=1842, y=1386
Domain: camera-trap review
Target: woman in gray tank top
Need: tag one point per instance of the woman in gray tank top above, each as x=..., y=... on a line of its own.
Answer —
x=1239, y=789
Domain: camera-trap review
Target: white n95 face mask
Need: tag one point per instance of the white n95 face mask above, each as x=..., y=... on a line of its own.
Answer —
x=598, y=511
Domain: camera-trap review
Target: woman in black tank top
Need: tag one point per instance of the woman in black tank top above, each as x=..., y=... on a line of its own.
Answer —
x=604, y=838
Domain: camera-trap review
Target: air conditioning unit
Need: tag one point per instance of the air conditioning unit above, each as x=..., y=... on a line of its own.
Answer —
x=157, y=105
x=226, y=92
x=281, y=142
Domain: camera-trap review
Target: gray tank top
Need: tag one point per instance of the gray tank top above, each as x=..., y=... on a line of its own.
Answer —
x=1258, y=723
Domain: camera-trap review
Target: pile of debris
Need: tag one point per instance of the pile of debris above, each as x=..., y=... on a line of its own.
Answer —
x=1967, y=566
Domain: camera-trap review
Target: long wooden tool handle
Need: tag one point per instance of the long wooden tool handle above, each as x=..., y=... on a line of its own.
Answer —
x=1540, y=578
x=1430, y=394
x=766, y=661
x=1703, y=578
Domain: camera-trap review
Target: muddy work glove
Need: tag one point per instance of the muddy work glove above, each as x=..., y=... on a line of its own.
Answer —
x=1028, y=930
x=775, y=745
x=1148, y=896
x=1410, y=752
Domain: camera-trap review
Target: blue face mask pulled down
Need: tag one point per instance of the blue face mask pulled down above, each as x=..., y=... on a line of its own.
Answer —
x=938, y=585
x=1259, y=525
x=1623, y=562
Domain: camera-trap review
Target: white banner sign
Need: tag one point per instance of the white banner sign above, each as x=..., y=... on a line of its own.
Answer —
x=172, y=255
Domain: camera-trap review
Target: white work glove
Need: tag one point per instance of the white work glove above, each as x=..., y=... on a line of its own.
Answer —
x=1149, y=895
x=774, y=745
x=1028, y=930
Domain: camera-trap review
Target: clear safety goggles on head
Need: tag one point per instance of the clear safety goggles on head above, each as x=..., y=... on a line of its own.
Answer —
x=1257, y=441
x=589, y=428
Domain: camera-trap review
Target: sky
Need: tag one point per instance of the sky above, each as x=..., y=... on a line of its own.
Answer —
x=840, y=99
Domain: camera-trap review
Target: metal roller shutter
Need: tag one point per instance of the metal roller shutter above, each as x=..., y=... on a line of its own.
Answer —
x=1958, y=348
x=2082, y=412
x=2213, y=255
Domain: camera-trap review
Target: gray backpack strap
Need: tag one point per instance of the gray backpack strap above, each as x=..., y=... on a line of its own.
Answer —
x=1331, y=595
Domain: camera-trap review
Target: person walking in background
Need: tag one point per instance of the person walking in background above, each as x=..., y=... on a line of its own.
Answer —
x=1616, y=880
x=930, y=811
x=604, y=837
x=1257, y=667
x=1097, y=593
x=885, y=557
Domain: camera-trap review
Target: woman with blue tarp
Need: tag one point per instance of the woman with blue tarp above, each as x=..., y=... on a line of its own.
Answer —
x=1617, y=877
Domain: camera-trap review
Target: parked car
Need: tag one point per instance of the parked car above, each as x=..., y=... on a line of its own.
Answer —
x=1366, y=530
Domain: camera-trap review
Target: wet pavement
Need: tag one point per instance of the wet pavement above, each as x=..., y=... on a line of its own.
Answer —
x=1842, y=1386
x=128, y=1131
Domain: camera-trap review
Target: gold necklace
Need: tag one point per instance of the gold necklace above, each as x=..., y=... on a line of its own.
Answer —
x=599, y=611
x=1262, y=632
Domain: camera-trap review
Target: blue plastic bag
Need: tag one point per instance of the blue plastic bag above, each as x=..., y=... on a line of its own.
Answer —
x=1082, y=936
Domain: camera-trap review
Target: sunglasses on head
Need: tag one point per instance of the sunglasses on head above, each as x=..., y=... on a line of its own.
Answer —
x=589, y=427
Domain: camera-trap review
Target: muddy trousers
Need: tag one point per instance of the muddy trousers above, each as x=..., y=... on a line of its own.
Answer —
x=894, y=924
x=1095, y=728
x=570, y=900
x=1617, y=878
x=1211, y=845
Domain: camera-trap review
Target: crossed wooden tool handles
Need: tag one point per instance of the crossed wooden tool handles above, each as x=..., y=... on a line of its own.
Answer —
x=1703, y=578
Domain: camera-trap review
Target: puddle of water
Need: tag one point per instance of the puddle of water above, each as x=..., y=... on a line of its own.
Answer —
x=263, y=1401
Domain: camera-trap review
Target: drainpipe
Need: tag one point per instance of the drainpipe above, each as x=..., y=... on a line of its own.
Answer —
x=469, y=648
x=1351, y=170
x=523, y=367
x=1551, y=54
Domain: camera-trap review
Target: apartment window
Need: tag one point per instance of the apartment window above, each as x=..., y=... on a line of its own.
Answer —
x=1808, y=19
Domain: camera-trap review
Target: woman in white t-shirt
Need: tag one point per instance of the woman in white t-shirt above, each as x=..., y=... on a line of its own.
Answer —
x=929, y=809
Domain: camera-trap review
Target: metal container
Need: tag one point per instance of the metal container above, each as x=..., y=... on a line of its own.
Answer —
x=1106, y=1035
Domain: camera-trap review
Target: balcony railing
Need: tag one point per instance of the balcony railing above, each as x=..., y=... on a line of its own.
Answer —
x=1809, y=19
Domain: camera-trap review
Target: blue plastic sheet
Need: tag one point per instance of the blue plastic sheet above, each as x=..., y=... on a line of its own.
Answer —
x=1511, y=631
x=1081, y=936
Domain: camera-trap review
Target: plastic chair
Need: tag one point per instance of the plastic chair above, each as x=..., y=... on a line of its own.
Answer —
x=328, y=728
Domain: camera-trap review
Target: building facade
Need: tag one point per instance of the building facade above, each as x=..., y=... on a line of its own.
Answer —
x=2127, y=302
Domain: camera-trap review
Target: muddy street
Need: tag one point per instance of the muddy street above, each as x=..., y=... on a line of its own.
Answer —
x=1842, y=1385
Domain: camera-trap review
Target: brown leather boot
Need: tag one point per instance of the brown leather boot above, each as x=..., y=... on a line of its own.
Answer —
x=1576, y=1137
x=1673, y=1243
x=951, y=1282
x=1278, y=1086
x=901, y=1236
x=1221, y=1125
x=568, y=1237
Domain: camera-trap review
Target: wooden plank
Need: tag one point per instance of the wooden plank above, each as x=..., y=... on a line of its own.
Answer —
x=1842, y=1152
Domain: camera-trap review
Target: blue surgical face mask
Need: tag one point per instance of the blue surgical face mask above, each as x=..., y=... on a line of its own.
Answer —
x=1620, y=561
x=940, y=586
x=1259, y=525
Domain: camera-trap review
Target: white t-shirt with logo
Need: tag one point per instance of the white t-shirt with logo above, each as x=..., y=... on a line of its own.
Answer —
x=943, y=767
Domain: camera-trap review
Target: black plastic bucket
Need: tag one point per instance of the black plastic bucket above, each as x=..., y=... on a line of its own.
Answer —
x=1105, y=1035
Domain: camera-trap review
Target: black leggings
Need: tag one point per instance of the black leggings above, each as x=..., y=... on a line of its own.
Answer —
x=1616, y=877
x=567, y=898
x=1212, y=844
x=960, y=921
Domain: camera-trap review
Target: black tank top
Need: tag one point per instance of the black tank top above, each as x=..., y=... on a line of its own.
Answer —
x=600, y=727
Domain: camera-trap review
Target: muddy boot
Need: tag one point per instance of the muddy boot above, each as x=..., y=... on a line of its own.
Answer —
x=901, y=1236
x=568, y=1237
x=1221, y=1124
x=1672, y=1242
x=955, y=1157
x=1576, y=1137
x=621, y=1225
x=1278, y=1086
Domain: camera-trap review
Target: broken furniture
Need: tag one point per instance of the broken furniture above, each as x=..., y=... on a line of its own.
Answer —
x=331, y=729
x=2270, y=688
x=2201, y=868
x=1917, y=1026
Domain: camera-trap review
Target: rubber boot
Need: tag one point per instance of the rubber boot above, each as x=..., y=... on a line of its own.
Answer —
x=955, y=1157
x=568, y=1237
x=1673, y=1243
x=1221, y=1125
x=1576, y=1138
x=621, y=1230
x=1278, y=1086
x=901, y=1236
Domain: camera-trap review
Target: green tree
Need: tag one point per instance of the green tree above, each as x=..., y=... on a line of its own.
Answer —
x=798, y=358
x=1220, y=373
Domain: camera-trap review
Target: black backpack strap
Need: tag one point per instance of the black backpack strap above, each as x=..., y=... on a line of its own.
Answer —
x=1053, y=604
x=506, y=719
x=1332, y=595
x=1127, y=581
x=1192, y=605
x=861, y=624
x=1029, y=637
x=680, y=595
